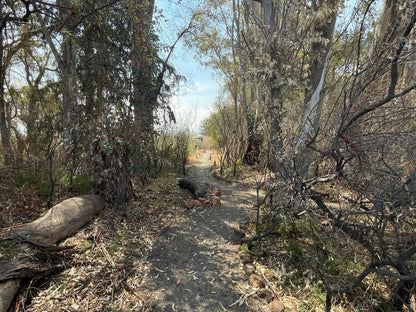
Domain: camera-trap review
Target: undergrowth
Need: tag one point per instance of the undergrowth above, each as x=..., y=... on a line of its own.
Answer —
x=304, y=253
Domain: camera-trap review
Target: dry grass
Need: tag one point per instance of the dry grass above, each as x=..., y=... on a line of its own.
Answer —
x=194, y=155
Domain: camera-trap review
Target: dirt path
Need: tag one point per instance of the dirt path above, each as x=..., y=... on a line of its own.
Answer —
x=195, y=267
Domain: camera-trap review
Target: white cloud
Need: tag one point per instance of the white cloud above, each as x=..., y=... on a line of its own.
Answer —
x=195, y=100
x=193, y=107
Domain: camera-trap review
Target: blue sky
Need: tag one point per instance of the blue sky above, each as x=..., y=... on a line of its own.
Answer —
x=196, y=96
x=195, y=99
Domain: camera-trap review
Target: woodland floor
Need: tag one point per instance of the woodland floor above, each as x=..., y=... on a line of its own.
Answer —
x=153, y=255
x=195, y=265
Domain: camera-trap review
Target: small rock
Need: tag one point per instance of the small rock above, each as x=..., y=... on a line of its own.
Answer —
x=244, y=257
x=276, y=306
x=202, y=200
x=215, y=201
x=256, y=304
x=249, y=268
x=256, y=281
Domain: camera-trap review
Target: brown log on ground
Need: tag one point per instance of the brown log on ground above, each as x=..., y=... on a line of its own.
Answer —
x=58, y=223
x=195, y=188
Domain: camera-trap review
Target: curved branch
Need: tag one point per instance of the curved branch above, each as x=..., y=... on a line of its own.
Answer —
x=376, y=105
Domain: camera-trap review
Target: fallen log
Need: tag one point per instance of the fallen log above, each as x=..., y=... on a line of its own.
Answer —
x=59, y=222
x=196, y=189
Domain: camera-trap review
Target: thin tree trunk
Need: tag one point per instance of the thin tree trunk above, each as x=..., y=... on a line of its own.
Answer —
x=143, y=81
x=4, y=126
x=67, y=71
x=315, y=85
x=66, y=61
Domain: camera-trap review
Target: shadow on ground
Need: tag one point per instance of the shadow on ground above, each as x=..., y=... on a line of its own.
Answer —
x=195, y=266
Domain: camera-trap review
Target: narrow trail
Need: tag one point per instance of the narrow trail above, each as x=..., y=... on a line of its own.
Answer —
x=195, y=267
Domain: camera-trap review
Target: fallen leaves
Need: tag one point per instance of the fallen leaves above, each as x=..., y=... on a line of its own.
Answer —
x=108, y=268
x=256, y=281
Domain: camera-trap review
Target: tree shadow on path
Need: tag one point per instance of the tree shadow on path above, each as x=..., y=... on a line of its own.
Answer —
x=195, y=266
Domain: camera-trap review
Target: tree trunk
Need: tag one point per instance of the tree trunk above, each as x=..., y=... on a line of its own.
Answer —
x=112, y=172
x=66, y=61
x=8, y=290
x=320, y=52
x=269, y=16
x=276, y=143
x=389, y=16
x=4, y=126
x=58, y=223
x=143, y=80
x=67, y=71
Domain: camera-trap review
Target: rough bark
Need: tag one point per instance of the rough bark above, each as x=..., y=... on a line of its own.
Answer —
x=7, y=292
x=112, y=172
x=58, y=223
x=143, y=85
x=388, y=22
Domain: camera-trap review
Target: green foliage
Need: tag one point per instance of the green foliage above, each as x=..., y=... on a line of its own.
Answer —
x=227, y=129
x=87, y=245
x=6, y=246
x=172, y=148
x=112, y=248
x=244, y=247
x=81, y=183
x=210, y=128
x=296, y=251
x=63, y=287
x=37, y=180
